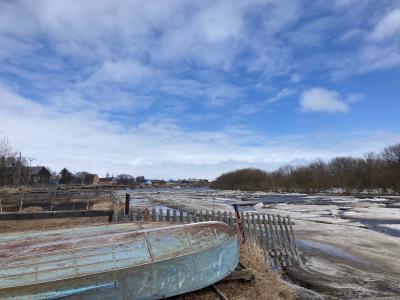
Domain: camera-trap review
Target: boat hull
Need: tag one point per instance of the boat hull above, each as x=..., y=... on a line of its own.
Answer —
x=169, y=261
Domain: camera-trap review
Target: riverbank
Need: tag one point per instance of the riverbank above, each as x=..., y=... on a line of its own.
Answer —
x=344, y=255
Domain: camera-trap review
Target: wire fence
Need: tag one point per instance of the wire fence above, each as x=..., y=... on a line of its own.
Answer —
x=54, y=199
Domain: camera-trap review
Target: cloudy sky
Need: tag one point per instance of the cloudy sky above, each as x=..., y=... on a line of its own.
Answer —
x=173, y=89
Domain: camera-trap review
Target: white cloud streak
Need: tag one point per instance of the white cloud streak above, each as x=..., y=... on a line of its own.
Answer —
x=286, y=92
x=387, y=27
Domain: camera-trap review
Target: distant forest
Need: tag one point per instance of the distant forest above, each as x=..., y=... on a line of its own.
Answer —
x=375, y=172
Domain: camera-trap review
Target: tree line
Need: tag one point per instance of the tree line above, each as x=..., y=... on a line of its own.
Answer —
x=374, y=172
x=67, y=177
x=15, y=170
x=13, y=166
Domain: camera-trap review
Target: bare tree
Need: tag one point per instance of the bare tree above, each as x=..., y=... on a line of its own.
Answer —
x=374, y=172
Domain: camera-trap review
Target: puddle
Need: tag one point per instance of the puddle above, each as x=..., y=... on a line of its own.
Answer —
x=167, y=189
x=378, y=225
x=387, y=230
x=278, y=198
x=329, y=249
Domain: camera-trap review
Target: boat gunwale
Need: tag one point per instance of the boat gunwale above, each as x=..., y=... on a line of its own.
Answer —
x=111, y=234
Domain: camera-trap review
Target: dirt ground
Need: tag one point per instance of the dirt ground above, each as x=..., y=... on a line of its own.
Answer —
x=26, y=225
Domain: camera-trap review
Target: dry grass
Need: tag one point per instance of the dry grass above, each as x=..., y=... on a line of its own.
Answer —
x=33, y=209
x=267, y=285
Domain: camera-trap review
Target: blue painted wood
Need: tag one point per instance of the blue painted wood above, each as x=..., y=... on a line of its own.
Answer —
x=144, y=263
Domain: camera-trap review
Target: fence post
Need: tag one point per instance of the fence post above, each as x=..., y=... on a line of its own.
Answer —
x=262, y=237
x=290, y=242
x=285, y=248
x=195, y=218
x=188, y=217
x=230, y=219
x=292, y=234
x=161, y=215
x=127, y=200
x=279, y=241
x=22, y=200
x=239, y=229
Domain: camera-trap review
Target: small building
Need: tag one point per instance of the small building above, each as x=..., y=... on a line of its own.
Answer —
x=107, y=181
x=158, y=182
x=39, y=175
x=91, y=179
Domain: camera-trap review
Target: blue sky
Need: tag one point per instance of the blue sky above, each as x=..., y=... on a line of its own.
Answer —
x=174, y=89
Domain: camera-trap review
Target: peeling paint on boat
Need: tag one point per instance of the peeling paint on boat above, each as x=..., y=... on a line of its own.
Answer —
x=115, y=261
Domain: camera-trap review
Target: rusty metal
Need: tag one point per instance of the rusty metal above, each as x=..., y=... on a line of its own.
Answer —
x=239, y=230
x=118, y=261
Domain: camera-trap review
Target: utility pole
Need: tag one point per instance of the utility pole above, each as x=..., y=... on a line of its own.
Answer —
x=19, y=170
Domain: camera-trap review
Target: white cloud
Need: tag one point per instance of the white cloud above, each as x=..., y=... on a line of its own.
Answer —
x=388, y=27
x=286, y=92
x=322, y=100
x=87, y=140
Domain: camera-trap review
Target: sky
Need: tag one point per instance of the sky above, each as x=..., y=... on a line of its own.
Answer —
x=182, y=89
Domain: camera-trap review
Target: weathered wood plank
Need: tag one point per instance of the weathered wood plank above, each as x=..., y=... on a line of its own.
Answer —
x=284, y=242
x=245, y=275
x=220, y=294
x=292, y=234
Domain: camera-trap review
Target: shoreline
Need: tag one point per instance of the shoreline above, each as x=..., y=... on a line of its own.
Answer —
x=342, y=256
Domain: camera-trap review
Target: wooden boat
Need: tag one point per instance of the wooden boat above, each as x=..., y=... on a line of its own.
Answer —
x=117, y=261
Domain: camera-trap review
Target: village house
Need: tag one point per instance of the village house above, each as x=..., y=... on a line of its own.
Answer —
x=107, y=181
x=39, y=175
x=91, y=179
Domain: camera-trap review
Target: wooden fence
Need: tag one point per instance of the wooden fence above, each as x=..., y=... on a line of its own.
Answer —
x=273, y=233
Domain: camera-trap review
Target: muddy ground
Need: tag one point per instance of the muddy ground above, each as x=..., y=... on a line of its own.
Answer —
x=350, y=246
